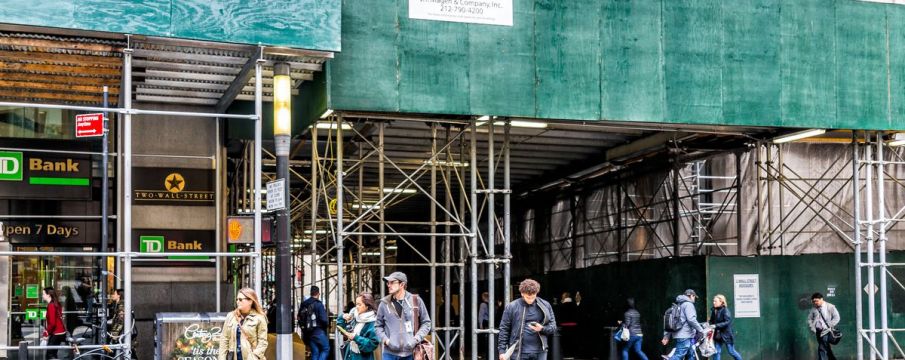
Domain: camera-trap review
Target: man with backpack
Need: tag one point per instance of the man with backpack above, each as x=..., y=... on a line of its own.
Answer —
x=681, y=323
x=403, y=322
x=312, y=320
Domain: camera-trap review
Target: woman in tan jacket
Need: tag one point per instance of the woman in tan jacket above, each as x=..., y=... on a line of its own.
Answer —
x=247, y=323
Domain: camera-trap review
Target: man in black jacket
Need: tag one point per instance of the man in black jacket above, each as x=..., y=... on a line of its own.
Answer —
x=526, y=324
x=313, y=322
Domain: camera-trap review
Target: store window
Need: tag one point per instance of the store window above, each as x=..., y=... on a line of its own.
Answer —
x=72, y=277
x=35, y=123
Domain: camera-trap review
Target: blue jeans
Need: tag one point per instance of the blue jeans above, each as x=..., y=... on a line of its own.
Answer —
x=730, y=347
x=320, y=346
x=683, y=348
x=633, y=344
x=388, y=356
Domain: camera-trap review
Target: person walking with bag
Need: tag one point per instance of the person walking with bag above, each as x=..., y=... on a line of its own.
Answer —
x=403, y=322
x=721, y=320
x=632, y=323
x=358, y=328
x=55, y=332
x=822, y=320
x=244, y=334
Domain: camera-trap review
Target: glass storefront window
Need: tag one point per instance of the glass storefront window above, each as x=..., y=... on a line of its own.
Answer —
x=72, y=277
x=34, y=123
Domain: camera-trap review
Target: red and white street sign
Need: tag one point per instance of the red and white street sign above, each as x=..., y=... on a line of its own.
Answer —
x=87, y=125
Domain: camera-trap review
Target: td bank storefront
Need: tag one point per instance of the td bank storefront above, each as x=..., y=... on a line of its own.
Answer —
x=50, y=201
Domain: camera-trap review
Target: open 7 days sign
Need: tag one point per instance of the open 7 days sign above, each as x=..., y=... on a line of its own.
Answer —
x=33, y=175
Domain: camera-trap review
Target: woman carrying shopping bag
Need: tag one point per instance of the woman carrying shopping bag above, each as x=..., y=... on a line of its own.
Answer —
x=357, y=328
x=632, y=324
x=721, y=319
x=244, y=334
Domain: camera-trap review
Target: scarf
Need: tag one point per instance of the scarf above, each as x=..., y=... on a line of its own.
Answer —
x=359, y=323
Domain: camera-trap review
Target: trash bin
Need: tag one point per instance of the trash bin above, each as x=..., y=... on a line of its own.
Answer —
x=555, y=345
x=613, y=353
x=187, y=335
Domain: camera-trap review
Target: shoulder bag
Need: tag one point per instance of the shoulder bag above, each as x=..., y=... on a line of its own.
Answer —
x=424, y=350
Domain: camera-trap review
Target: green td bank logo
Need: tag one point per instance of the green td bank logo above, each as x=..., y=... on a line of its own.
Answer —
x=150, y=244
x=10, y=166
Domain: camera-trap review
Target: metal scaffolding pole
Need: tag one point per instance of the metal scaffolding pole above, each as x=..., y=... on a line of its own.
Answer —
x=126, y=96
x=491, y=234
x=381, y=212
x=473, y=250
x=339, y=233
x=856, y=207
x=882, y=223
x=507, y=217
x=869, y=211
x=258, y=277
x=433, y=230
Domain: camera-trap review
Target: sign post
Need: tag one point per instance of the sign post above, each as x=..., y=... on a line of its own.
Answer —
x=276, y=191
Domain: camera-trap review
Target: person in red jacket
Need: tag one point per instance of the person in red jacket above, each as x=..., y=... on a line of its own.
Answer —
x=55, y=332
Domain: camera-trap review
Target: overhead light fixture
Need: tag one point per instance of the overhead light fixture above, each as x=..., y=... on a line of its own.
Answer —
x=447, y=163
x=898, y=139
x=798, y=135
x=392, y=247
x=327, y=113
x=399, y=191
x=309, y=232
x=523, y=124
x=366, y=206
x=483, y=118
x=332, y=125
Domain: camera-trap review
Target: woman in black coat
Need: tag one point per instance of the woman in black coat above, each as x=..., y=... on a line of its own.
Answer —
x=721, y=319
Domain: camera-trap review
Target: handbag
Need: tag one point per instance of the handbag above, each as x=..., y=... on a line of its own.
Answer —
x=835, y=335
x=707, y=347
x=424, y=350
x=622, y=334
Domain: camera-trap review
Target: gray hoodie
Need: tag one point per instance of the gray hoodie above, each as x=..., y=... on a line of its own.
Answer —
x=690, y=318
x=392, y=326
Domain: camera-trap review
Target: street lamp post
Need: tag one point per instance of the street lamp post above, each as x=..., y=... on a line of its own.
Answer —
x=282, y=130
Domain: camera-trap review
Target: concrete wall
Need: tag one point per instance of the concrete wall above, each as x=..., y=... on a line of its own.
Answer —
x=156, y=140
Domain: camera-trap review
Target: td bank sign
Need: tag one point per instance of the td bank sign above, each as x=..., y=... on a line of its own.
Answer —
x=174, y=241
x=31, y=175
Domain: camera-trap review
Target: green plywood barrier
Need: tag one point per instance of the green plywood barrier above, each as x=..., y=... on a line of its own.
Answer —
x=785, y=286
x=790, y=63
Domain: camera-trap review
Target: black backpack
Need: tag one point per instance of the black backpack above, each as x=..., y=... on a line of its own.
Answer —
x=307, y=316
x=672, y=319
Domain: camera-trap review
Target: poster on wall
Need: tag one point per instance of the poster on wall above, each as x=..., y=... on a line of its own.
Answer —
x=747, y=295
x=490, y=12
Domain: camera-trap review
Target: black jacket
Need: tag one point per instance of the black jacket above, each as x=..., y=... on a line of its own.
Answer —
x=722, y=319
x=513, y=317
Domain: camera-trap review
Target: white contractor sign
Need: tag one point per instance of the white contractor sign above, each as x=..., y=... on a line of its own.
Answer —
x=747, y=295
x=491, y=12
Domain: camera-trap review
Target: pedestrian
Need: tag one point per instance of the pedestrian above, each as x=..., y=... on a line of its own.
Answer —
x=822, y=319
x=632, y=323
x=396, y=326
x=244, y=334
x=689, y=328
x=117, y=324
x=484, y=323
x=55, y=332
x=567, y=319
x=721, y=320
x=312, y=318
x=357, y=327
x=526, y=324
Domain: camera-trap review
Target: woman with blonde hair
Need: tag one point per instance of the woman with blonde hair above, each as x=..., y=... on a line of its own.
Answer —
x=244, y=335
x=721, y=319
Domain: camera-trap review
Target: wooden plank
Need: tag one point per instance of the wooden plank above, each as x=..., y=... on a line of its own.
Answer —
x=61, y=79
x=69, y=45
x=61, y=69
x=23, y=94
x=33, y=85
x=57, y=58
x=174, y=55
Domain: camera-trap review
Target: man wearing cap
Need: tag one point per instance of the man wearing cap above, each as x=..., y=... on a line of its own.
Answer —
x=313, y=321
x=690, y=327
x=395, y=325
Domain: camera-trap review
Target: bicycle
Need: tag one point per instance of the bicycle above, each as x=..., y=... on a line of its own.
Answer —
x=104, y=352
